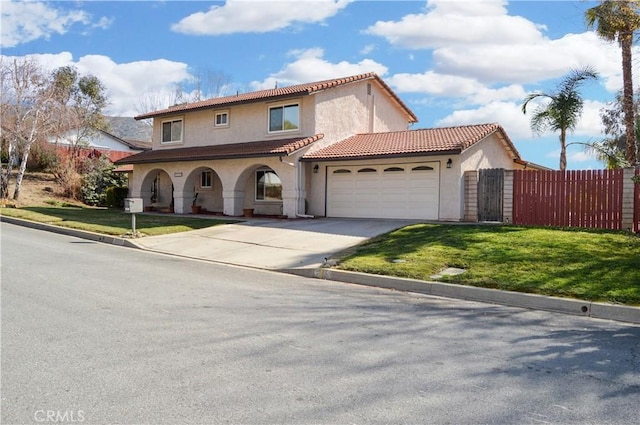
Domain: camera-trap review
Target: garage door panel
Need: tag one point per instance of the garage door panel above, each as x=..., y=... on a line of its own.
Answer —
x=399, y=192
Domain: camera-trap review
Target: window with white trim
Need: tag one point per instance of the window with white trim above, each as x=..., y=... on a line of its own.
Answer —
x=221, y=119
x=268, y=185
x=172, y=131
x=284, y=118
x=206, y=180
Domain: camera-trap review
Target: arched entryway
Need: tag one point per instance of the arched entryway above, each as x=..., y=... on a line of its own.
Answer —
x=203, y=190
x=261, y=191
x=157, y=191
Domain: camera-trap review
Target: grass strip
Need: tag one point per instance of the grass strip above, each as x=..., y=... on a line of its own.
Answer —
x=586, y=264
x=112, y=222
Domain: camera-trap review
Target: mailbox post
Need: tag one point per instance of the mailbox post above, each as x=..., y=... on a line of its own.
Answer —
x=133, y=206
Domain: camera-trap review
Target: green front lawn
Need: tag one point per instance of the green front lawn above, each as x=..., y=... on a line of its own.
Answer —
x=110, y=221
x=589, y=265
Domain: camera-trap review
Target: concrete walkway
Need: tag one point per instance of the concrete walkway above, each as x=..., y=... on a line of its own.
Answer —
x=271, y=244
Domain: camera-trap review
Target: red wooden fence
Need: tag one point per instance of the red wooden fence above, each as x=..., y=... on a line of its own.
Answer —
x=584, y=198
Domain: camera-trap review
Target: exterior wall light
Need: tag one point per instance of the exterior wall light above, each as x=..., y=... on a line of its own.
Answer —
x=449, y=162
x=316, y=168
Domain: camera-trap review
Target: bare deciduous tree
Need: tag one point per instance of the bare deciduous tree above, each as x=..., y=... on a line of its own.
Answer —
x=38, y=105
x=205, y=84
x=26, y=113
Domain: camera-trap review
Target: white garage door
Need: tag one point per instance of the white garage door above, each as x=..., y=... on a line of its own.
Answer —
x=384, y=191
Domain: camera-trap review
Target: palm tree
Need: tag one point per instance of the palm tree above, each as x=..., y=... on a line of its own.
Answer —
x=617, y=20
x=563, y=110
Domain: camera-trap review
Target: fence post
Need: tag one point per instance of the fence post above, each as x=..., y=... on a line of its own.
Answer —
x=507, y=197
x=471, y=195
x=627, y=199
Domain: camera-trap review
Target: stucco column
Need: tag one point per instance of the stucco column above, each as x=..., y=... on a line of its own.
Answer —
x=302, y=197
x=233, y=201
x=471, y=195
x=507, y=197
x=181, y=203
x=627, y=199
x=289, y=203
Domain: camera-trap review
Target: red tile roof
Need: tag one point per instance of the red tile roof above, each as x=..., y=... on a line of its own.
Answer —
x=282, y=92
x=429, y=141
x=281, y=147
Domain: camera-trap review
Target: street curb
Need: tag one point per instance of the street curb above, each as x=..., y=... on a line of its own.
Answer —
x=97, y=237
x=470, y=293
x=493, y=296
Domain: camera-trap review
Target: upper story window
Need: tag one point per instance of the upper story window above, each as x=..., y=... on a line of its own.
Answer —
x=284, y=118
x=172, y=131
x=222, y=119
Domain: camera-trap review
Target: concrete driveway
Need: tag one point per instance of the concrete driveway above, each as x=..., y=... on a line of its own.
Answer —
x=272, y=244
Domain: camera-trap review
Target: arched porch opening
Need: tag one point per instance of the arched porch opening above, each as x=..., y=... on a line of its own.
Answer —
x=259, y=190
x=202, y=192
x=157, y=191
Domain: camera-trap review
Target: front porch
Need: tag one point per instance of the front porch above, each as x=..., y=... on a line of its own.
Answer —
x=268, y=188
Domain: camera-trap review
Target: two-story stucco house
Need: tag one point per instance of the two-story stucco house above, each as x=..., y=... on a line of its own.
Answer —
x=336, y=148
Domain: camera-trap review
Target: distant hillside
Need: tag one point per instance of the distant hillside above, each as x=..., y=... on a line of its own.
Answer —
x=128, y=128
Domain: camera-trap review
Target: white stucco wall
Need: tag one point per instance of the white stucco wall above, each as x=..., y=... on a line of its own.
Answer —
x=337, y=113
x=344, y=111
x=487, y=153
x=247, y=123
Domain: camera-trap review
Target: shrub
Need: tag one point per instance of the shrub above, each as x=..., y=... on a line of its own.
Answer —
x=43, y=157
x=115, y=196
x=98, y=175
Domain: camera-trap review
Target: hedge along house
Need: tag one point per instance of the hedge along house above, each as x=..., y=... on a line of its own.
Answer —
x=337, y=148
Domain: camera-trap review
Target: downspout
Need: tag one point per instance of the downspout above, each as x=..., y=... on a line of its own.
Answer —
x=298, y=175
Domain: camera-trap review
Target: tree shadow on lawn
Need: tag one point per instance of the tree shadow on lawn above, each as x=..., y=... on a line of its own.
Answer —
x=592, y=265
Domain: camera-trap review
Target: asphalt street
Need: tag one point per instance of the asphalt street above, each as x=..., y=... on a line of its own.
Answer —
x=99, y=334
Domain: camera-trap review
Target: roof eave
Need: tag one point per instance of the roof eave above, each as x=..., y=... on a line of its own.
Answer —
x=201, y=158
x=382, y=156
x=177, y=111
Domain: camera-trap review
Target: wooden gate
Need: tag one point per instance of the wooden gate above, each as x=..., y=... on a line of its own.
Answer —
x=490, y=194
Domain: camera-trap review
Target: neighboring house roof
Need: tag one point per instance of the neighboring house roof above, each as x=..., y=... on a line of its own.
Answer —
x=133, y=144
x=533, y=165
x=281, y=147
x=282, y=92
x=431, y=141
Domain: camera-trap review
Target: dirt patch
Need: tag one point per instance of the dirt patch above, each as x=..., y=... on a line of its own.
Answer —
x=37, y=189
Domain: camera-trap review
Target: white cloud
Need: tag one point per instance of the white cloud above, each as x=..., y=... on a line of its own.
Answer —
x=580, y=156
x=310, y=65
x=448, y=22
x=367, y=49
x=530, y=63
x=480, y=40
x=125, y=83
x=507, y=114
x=27, y=21
x=238, y=16
x=448, y=85
x=517, y=124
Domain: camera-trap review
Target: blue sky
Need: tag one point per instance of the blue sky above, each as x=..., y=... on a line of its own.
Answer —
x=453, y=62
